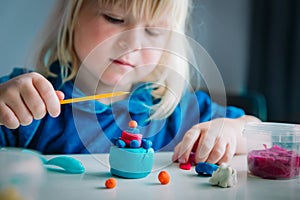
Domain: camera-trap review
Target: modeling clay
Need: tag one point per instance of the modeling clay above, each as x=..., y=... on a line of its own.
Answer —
x=164, y=177
x=188, y=165
x=131, y=156
x=132, y=124
x=146, y=144
x=132, y=138
x=205, y=168
x=185, y=166
x=274, y=163
x=110, y=183
x=225, y=176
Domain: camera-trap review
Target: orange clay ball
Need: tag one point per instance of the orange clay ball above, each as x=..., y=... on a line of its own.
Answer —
x=110, y=183
x=164, y=177
x=132, y=124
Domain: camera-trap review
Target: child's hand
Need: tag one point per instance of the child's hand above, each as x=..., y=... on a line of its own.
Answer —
x=27, y=97
x=215, y=141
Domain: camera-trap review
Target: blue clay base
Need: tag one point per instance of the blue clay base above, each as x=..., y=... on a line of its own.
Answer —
x=131, y=163
x=128, y=174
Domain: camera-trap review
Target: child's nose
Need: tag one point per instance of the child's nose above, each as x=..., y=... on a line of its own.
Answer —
x=131, y=40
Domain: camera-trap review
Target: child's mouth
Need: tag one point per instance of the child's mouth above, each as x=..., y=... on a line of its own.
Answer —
x=121, y=62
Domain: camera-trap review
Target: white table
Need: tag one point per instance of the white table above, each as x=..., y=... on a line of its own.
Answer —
x=184, y=185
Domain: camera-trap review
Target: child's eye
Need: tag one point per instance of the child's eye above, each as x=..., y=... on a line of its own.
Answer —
x=113, y=20
x=153, y=31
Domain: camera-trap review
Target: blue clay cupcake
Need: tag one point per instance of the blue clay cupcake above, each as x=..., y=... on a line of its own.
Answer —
x=131, y=156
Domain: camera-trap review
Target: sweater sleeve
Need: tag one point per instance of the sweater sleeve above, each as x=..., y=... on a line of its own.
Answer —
x=211, y=110
x=14, y=73
x=20, y=137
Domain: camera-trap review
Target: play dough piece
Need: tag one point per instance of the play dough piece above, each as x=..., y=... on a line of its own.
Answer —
x=131, y=162
x=185, y=166
x=110, y=183
x=225, y=176
x=146, y=144
x=205, y=168
x=131, y=156
x=132, y=124
x=164, y=177
x=274, y=163
x=188, y=165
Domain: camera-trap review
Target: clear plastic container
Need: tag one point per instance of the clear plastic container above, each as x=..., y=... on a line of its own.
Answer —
x=273, y=150
x=21, y=175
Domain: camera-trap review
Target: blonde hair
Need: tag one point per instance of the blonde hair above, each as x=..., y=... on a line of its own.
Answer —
x=57, y=45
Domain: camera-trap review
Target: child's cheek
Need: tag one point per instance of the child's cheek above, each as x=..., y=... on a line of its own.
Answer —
x=152, y=56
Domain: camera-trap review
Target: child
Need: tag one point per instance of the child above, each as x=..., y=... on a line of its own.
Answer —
x=99, y=46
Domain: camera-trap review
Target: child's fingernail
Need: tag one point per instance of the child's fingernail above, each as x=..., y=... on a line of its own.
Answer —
x=181, y=160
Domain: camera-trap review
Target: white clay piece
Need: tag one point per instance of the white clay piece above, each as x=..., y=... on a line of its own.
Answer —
x=225, y=176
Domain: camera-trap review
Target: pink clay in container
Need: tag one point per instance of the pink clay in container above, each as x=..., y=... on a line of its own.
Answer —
x=274, y=163
x=273, y=150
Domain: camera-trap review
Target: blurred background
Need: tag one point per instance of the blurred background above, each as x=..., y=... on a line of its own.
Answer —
x=254, y=43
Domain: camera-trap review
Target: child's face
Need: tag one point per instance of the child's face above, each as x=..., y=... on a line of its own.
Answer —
x=115, y=47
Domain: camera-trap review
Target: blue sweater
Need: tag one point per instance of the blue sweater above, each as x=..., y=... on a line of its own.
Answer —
x=88, y=127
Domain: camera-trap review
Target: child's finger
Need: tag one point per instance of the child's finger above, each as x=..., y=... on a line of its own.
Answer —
x=48, y=95
x=176, y=152
x=8, y=117
x=217, y=152
x=205, y=145
x=33, y=101
x=229, y=153
x=187, y=144
x=20, y=110
x=60, y=94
